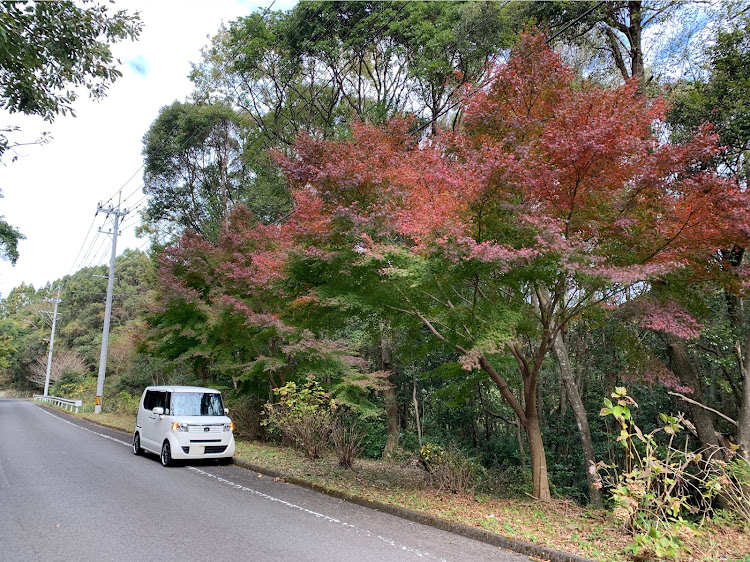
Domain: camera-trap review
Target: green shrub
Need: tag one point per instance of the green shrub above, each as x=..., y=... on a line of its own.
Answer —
x=449, y=469
x=245, y=412
x=303, y=415
x=122, y=403
x=373, y=436
x=659, y=485
x=509, y=481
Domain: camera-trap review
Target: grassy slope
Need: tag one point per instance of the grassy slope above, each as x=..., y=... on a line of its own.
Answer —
x=561, y=525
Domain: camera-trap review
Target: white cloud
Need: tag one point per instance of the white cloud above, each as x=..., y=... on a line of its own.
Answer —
x=51, y=192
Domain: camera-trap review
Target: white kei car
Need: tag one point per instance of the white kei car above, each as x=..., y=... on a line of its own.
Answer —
x=183, y=423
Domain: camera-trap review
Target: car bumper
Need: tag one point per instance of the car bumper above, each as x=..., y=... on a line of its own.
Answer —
x=187, y=447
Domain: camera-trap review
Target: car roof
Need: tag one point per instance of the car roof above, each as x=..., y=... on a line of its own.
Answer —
x=178, y=388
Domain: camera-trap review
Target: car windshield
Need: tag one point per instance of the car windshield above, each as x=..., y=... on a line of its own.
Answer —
x=197, y=404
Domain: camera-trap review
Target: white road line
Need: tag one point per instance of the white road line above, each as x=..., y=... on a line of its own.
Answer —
x=365, y=532
x=263, y=495
x=85, y=428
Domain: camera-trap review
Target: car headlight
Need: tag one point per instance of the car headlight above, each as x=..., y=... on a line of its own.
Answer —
x=229, y=426
x=179, y=426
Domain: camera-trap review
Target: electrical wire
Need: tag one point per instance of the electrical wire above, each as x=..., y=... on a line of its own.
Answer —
x=192, y=107
x=263, y=145
x=238, y=50
x=82, y=244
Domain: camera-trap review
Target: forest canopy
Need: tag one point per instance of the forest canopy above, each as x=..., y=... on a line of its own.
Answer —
x=469, y=225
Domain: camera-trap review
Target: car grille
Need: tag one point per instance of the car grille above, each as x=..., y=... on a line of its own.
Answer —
x=210, y=449
x=218, y=428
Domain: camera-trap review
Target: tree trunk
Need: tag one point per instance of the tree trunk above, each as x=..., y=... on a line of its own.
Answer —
x=391, y=412
x=685, y=371
x=736, y=312
x=521, y=448
x=743, y=419
x=636, y=40
x=538, y=458
x=527, y=415
x=391, y=405
x=416, y=410
x=576, y=403
x=529, y=418
x=632, y=30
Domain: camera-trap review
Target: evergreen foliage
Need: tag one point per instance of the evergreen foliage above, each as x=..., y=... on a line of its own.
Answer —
x=465, y=284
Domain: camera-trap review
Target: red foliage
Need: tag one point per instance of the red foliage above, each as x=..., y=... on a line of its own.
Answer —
x=667, y=317
x=238, y=273
x=544, y=166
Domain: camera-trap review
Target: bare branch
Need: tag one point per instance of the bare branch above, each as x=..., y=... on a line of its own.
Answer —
x=691, y=401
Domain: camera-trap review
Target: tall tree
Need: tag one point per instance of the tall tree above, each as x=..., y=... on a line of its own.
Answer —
x=619, y=30
x=721, y=98
x=47, y=49
x=194, y=170
x=321, y=64
x=555, y=197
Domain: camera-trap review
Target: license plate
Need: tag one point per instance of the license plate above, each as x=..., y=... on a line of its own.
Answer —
x=197, y=449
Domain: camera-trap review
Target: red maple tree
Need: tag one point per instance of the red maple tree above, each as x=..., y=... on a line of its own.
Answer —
x=554, y=196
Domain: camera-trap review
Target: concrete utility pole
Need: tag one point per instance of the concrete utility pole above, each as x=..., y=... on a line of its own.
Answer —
x=51, y=343
x=108, y=308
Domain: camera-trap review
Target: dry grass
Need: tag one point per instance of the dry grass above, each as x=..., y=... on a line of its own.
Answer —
x=561, y=525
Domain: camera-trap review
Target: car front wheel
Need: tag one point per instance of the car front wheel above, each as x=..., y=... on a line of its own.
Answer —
x=137, y=444
x=166, y=454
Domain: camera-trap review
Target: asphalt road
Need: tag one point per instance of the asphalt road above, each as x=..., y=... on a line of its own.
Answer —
x=71, y=490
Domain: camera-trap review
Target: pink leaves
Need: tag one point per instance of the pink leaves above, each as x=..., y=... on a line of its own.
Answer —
x=252, y=318
x=503, y=255
x=238, y=273
x=656, y=373
x=668, y=317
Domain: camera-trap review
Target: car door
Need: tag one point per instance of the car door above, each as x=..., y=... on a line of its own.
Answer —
x=152, y=425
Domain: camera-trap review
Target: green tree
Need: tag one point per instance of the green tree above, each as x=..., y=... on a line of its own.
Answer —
x=447, y=47
x=196, y=170
x=618, y=30
x=722, y=98
x=23, y=331
x=9, y=238
x=47, y=49
x=321, y=64
x=18, y=298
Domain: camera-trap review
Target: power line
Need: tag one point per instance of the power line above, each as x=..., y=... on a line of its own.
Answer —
x=82, y=245
x=233, y=58
x=103, y=241
x=174, y=129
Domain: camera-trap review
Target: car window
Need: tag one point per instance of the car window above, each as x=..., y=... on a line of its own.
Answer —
x=197, y=404
x=160, y=400
x=148, y=400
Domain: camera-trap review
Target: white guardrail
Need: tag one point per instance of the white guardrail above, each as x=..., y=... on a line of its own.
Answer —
x=61, y=402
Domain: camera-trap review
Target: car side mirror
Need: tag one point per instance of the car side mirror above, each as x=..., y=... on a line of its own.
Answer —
x=158, y=411
x=226, y=411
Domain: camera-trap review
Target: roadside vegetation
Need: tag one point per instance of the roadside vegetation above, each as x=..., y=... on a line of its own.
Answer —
x=481, y=259
x=500, y=505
